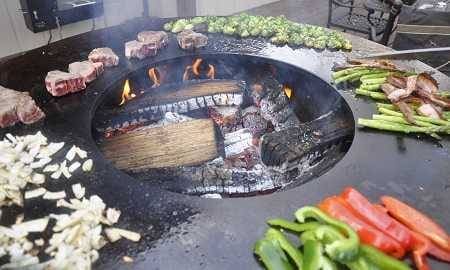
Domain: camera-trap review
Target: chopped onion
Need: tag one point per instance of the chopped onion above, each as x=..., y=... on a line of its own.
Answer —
x=130, y=235
x=38, y=179
x=35, y=193
x=112, y=234
x=87, y=165
x=36, y=225
x=51, y=168
x=71, y=153
x=56, y=175
x=113, y=215
x=127, y=259
x=79, y=191
x=74, y=166
x=81, y=153
x=54, y=195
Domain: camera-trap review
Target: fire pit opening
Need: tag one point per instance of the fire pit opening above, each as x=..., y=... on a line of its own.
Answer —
x=223, y=125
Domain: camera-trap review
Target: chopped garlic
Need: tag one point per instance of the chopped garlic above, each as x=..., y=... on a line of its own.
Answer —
x=127, y=259
x=36, y=225
x=54, y=195
x=71, y=153
x=113, y=215
x=38, y=179
x=51, y=168
x=87, y=165
x=35, y=193
x=79, y=191
x=74, y=166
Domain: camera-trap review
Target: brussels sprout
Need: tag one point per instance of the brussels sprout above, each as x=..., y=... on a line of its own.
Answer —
x=320, y=44
x=255, y=31
x=189, y=26
x=229, y=30
x=179, y=25
x=245, y=34
x=168, y=26
x=309, y=42
x=296, y=39
x=198, y=20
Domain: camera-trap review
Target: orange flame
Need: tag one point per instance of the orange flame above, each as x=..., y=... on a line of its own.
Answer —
x=126, y=93
x=211, y=72
x=153, y=73
x=196, y=66
x=288, y=91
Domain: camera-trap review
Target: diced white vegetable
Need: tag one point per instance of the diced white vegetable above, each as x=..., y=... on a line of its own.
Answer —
x=81, y=153
x=35, y=193
x=65, y=171
x=74, y=166
x=127, y=259
x=36, y=225
x=130, y=235
x=51, y=168
x=56, y=175
x=39, y=242
x=78, y=191
x=87, y=165
x=38, y=179
x=40, y=163
x=112, y=234
x=11, y=138
x=113, y=215
x=71, y=153
x=54, y=195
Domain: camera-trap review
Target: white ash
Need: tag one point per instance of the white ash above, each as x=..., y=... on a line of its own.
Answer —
x=236, y=142
x=212, y=196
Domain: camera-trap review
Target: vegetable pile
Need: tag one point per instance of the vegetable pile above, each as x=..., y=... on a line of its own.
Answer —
x=278, y=29
x=348, y=230
x=415, y=103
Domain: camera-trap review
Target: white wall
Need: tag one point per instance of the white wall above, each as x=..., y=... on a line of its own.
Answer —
x=16, y=37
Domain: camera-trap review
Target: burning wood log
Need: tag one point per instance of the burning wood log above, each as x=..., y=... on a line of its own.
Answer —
x=181, y=144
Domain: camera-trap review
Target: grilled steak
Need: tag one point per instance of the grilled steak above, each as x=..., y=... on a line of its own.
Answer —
x=156, y=39
x=104, y=55
x=189, y=40
x=139, y=50
x=86, y=69
x=61, y=83
x=17, y=106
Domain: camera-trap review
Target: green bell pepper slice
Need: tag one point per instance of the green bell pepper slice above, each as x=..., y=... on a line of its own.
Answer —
x=381, y=260
x=293, y=226
x=272, y=255
x=293, y=252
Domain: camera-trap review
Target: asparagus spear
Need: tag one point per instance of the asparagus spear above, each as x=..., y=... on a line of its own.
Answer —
x=378, y=74
x=390, y=126
x=374, y=80
x=439, y=122
x=370, y=87
x=352, y=75
x=374, y=95
x=346, y=72
x=400, y=120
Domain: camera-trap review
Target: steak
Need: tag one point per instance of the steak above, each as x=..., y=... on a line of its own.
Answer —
x=137, y=49
x=189, y=40
x=86, y=69
x=156, y=39
x=61, y=83
x=104, y=55
x=16, y=107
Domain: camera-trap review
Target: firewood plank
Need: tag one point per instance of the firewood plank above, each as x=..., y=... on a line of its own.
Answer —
x=182, y=144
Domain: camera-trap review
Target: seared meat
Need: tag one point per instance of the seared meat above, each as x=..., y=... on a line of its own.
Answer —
x=86, y=69
x=156, y=39
x=427, y=83
x=388, y=89
x=429, y=110
x=403, y=93
x=61, y=83
x=189, y=40
x=139, y=50
x=104, y=55
x=17, y=106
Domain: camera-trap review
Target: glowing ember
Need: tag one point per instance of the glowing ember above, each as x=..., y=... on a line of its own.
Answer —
x=288, y=91
x=186, y=73
x=153, y=73
x=196, y=66
x=126, y=93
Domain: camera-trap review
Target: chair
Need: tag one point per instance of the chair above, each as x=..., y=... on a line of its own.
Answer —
x=372, y=21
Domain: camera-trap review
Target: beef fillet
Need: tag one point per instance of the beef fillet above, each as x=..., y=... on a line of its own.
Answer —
x=86, y=69
x=136, y=49
x=189, y=40
x=156, y=39
x=16, y=107
x=104, y=55
x=61, y=83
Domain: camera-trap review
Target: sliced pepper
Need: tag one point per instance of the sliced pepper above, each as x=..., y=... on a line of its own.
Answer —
x=312, y=255
x=293, y=226
x=417, y=221
x=272, y=255
x=361, y=263
x=293, y=252
x=341, y=250
x=381, y=220
x=381, y=260
x=339, y=209
x=328, y=264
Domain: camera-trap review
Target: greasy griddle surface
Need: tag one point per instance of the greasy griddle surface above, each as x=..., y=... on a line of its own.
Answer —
x=182, y=232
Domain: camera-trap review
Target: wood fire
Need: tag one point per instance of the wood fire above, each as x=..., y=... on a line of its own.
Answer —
x=126, y=93
x=154, y=75
x=195, y=70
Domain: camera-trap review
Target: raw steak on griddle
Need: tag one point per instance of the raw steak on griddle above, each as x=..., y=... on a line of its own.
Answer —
x=104, y=55
x=61, y=83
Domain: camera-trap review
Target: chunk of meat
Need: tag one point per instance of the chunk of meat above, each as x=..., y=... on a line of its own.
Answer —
x=189, y=40
x=104, y=55
x=388, y=89
x=427, y=83
x=139, y=50
x=403, y=93
x=61, y=83
x=86, y=69
x=156, y=39
x=16, y=107
x=429, y=110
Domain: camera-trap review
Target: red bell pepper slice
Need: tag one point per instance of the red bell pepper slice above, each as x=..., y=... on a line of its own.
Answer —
x=417, y=221
x=380, y=219
x=422, y=246
x=338, y=208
